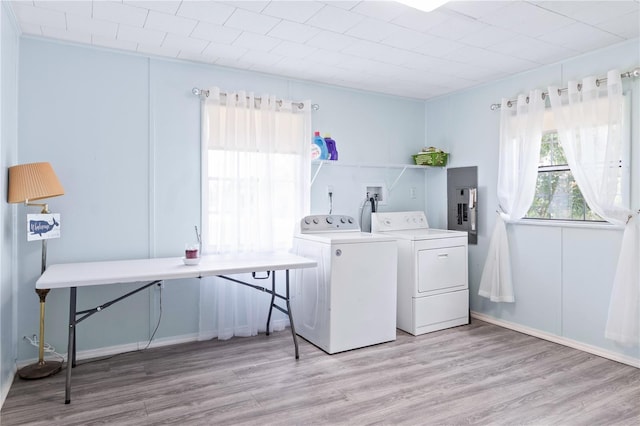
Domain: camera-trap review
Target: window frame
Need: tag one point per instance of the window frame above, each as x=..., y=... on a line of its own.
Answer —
x=625, y=164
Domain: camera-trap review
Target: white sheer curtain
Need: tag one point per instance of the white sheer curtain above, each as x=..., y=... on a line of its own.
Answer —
x=520, y=139
x=255, y=167
x=590, y=124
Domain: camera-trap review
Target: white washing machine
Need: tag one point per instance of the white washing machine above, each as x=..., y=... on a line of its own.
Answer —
x=349, y=300
x=433, y=282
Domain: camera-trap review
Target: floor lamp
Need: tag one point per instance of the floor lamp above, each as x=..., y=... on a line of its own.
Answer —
x=27, y=183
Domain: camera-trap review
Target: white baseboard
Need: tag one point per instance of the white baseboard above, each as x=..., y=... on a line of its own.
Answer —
x=6, y=385
x=118, y=349
x=277, y=325
x=634, y=362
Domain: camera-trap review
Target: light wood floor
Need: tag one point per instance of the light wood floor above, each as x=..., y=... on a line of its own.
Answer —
x=477, y=374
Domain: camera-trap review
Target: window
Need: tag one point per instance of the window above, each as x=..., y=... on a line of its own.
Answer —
x=557, y=194
x=255, y=174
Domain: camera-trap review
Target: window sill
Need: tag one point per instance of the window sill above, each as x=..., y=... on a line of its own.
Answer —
x=568, y=224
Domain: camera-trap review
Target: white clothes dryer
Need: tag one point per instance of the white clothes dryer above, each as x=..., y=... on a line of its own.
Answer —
x=349, y=300
x=433, y=282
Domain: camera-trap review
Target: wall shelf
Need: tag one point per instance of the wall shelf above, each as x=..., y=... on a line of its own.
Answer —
x=403, y=168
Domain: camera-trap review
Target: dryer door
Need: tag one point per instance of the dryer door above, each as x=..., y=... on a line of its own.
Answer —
x=442, y=269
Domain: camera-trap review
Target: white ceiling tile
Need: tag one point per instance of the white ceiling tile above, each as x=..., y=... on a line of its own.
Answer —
x=38, y=16
x=194, y=57
x=31, y=29
x=158, y=51
x=257, y=57
x=213, y=32
x=293, y=31
x=474, y=8
x=77, y=23
x=626, y=26
x=372, y=29
x=164, y=6
x=140, y=35
x=113, y=43
x=224, y=51
x=169, y=23
x=382, y=10
x=301, y=12
x=331, y=41
x=256, y=41
x=329, y=58
x=60, y=34
x=119, y=13
x=421, y=21
x=294, y=50
x=342, y=4
x=367, y=45
x=335, y=19
x=250, y=21
x=79, y=8
x=592, y=12
x=407, y=39
x=580, y=37
x=214, y=12
x=253, y=6
x=487, y=36
x=184, y=43
x=456, y=28
x=438, y=47
x=533, y=49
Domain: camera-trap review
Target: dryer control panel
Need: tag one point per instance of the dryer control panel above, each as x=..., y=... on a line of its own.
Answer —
x=398, y=221
x=327, y=223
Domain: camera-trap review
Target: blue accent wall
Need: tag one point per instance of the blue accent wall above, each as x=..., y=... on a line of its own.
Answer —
x=562, y=274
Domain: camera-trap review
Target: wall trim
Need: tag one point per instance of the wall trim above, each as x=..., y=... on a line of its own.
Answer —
x=614, y=356
x=6, y=385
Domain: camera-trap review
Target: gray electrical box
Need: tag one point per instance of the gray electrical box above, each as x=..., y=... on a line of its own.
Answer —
x=462, y=201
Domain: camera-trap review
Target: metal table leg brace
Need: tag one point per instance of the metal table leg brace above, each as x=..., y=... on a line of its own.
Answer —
x=74, y=320
x=273, y=304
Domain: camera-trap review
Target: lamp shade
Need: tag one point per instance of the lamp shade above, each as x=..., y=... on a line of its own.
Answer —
x=33, y=181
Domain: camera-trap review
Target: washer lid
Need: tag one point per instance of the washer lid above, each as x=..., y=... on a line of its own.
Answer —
x=425, y=234
x=345, y=237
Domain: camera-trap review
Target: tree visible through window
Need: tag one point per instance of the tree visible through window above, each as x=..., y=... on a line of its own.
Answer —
x=557, y=194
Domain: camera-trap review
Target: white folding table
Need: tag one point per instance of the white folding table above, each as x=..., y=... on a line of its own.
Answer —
x=154, y=271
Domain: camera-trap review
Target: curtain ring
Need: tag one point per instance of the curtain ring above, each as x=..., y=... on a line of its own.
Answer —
x=509, y=104
x=597, y=83
x=544, y=96
x=527, y=100
x=559, y=92
x=579, y=87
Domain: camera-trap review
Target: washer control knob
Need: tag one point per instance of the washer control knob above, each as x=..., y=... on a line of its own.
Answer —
x=387, y=222
x=315, y=220
x=343, y=220
x=307, y=221
x=338, y=252
x=350, y=220
x=329, y=220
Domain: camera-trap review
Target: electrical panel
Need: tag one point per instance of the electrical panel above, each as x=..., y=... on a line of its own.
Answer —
x=462, y=201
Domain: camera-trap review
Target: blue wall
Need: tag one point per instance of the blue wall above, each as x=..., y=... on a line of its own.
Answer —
x=8, y=156
x=123, y=133
x=562, y=274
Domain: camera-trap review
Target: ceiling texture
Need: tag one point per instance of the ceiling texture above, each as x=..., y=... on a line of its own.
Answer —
x=378, y=46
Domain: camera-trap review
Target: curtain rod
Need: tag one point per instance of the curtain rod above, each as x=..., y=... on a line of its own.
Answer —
x=632, y=73
x=205, y=93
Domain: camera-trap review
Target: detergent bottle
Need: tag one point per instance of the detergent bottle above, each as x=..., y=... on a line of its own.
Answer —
x=331, y=147
x=319, y=148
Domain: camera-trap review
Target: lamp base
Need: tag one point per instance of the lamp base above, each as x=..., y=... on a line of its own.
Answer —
x=40, y=370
